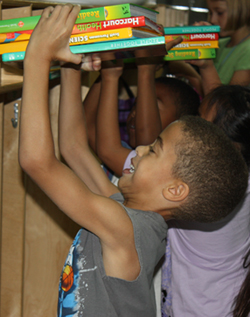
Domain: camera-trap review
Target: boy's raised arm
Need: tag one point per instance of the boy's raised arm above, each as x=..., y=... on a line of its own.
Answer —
x=90, y=105
x=109, y=147
x=101, y=215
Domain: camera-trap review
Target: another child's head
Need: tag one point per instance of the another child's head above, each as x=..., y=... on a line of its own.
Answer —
x=192, y=172
x=229, y=108
x=175, y=98
x=230, y=15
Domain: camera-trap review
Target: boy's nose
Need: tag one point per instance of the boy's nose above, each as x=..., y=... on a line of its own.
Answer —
x=141, y=150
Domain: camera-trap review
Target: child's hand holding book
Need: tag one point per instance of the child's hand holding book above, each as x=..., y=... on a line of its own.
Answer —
x=50, y=38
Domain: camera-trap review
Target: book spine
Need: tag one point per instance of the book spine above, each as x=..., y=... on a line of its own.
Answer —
x=191, y=29
x=196, y=45
x=117, y=45
x=194, y=37
x=174, y=55
x=13, y=47
x=108, y=25
x=100, y=36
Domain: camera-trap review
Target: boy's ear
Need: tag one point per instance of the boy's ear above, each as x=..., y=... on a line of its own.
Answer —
x=176, y=192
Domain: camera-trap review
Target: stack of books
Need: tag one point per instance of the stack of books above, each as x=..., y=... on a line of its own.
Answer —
x=199, y=42
x=109, y=28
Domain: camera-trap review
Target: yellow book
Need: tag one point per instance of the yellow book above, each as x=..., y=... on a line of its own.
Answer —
x=110, y=35
x=92, y=37
x=13, y=47
x=196, y=45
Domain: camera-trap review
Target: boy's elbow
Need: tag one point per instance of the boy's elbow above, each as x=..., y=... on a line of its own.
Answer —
x=32, y=164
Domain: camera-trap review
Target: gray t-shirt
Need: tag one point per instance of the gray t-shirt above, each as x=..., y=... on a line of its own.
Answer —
x=85, y=289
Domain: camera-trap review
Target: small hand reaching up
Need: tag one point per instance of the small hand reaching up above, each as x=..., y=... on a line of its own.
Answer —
x=50, y=38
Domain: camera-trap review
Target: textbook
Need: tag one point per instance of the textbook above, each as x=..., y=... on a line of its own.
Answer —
x=204, y=53
x=87, y=39
x=200, y=44
x=86, y=15
x=191, y=29
x=157, y=43
x=140, y=23
x=13, y=37
x=13, y=47
x=136, y=21
x=109, y=35
x=194, y=37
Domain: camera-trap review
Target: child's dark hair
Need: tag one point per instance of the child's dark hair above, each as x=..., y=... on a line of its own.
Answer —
x=232, y=104
x=186, y=98
x=212, y=167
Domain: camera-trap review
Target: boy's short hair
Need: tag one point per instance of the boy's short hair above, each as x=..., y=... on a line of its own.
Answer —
x=238, y=14
x=214, y=170
x=186, y=98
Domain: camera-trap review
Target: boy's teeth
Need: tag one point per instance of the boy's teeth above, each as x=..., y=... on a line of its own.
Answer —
x=132, y=169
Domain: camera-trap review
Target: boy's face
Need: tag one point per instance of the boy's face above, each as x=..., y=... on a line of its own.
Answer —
x=151, y=171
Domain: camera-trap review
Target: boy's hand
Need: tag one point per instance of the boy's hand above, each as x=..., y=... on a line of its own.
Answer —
x=50, y=38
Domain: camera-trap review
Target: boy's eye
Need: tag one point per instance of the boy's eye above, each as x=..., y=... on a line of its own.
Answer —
x=151, y=149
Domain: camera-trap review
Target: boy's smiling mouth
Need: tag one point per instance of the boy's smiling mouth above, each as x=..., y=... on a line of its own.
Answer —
x=132, y=168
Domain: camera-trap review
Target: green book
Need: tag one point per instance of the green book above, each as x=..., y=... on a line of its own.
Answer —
x=86, y=15
x=192, y=29
x=203, y=53
x=119, y=45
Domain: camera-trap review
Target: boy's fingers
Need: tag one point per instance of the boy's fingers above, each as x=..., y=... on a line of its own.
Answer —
x=56, y=12
x=72, y=16
x=46, y=12
x=172, y=43
x=65, y=11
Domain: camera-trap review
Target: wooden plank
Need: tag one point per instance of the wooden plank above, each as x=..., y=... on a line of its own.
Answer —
x=13, y=194
x=19, y=12
x=49, y=234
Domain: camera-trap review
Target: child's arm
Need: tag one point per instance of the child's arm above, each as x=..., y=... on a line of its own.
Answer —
x=147, y=118
x=100, y=215
x=90, y=105
x=109, y=147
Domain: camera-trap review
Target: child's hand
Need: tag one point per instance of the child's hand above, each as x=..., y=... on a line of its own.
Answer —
x=201, y=63
x=172, y=43
x=88, y=63
x=50, y=38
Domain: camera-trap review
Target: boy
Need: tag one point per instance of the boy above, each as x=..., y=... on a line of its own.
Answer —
x=110, y=266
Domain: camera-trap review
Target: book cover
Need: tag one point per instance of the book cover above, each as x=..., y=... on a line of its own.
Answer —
x=137, y=21
x=175, y=55
x=86, y=15
x=157, y=42
x=191, y=29
x=200, y=44
x=194, y=37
